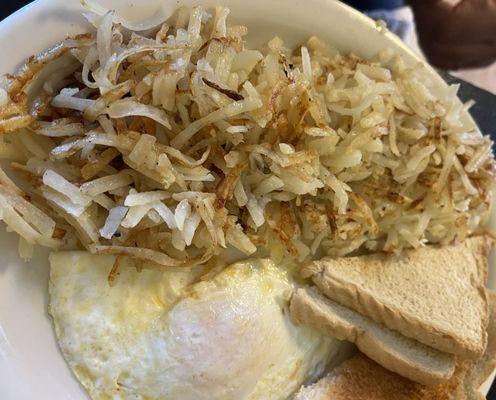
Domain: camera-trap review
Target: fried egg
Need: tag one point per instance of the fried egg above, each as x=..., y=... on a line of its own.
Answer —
x=155, y=335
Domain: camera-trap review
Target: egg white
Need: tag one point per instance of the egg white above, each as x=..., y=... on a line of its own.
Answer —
x=154, y=336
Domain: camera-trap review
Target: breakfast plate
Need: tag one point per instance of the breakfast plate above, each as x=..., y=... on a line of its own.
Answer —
x=31, y=365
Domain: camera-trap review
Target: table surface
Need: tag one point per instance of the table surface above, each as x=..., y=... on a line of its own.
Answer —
x=484, y=111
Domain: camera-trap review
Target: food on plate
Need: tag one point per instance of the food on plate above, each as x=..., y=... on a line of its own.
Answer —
x=362, y=379
x=407, y=357
x=478, y=372
x=170, y=145
x=154, y=335
x=154, y=154
x=435, y=295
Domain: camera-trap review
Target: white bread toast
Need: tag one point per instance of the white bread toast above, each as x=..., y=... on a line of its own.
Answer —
x=396, y=352
x=360, y=378
x=434, y=295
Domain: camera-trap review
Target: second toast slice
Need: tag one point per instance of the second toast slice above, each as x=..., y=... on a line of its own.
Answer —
x=399, y=354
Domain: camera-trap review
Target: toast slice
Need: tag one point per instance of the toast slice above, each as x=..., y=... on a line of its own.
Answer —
x=433, y=294
x=407, y=357
x=360, y=378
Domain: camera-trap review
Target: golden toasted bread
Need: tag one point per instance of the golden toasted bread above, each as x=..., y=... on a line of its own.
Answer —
x=360, y=378
x=394, y=351
x=434, y=295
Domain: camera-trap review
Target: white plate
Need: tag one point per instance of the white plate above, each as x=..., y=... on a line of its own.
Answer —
x=31, y=366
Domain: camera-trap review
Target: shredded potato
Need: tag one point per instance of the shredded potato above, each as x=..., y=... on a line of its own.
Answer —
x=171, y=142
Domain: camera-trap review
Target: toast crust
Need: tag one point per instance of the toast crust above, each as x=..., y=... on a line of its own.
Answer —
x=389, y=314
x=479, y=372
